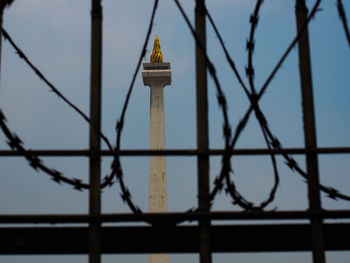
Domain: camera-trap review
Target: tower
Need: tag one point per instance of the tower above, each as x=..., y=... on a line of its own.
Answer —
x=157, y=75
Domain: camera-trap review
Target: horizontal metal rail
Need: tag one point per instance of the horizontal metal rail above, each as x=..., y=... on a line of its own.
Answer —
x=177, y=152
x=171, y=218
x=169, y=239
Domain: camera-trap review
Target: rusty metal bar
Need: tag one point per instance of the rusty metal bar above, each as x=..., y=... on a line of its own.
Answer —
x=95, y=128
x=168, y=239
x=177, y=152
x=202, y=134
x=170, y=218
x=310, y=133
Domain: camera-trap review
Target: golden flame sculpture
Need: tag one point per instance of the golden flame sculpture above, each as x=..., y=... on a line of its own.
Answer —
x=156, y=56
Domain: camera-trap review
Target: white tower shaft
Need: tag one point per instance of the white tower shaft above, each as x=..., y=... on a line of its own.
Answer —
x=157, y=198
x=157, y=76
x=157, y=167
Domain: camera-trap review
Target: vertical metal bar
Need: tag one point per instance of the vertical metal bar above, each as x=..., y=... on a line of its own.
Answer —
x=1, y=17
x=310, y=133
x=95, y=127
x=202, y=134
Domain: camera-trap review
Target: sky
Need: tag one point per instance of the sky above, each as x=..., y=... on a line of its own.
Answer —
x=55, y=35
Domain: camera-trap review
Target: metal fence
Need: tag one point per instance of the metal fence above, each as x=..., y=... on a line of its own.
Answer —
x=164, y=235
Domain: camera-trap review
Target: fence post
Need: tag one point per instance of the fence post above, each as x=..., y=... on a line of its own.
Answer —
x=95, y=127
x=310, y=133
x=202, y=134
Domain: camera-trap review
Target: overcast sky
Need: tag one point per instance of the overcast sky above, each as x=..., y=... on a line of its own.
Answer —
x=55, y=35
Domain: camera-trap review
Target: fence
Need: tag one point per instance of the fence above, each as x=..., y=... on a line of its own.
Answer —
x=166, y=235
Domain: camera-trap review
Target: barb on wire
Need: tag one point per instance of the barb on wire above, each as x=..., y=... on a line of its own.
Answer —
x=52, y=87
x=342, y=16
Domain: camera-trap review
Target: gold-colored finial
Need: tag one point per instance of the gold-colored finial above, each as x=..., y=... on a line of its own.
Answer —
x=156, y=56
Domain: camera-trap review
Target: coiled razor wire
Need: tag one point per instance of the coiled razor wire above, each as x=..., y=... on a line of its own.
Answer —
x=16, y=143
x=271, y=141
x=35, y=162
x=21, y=55
x=254, y=18
x=274, y=142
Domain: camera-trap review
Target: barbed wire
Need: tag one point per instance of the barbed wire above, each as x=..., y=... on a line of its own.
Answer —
x=258, y=113
x=271, y=141
x=21, y=55
x=231, y=188
x=17, y=144
x=238, y=198
x=116, y=166
x=290, y=161
x=274, y=142
x=221, y=99
x=35, y=162
x=254, y=20
x=342, y=16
